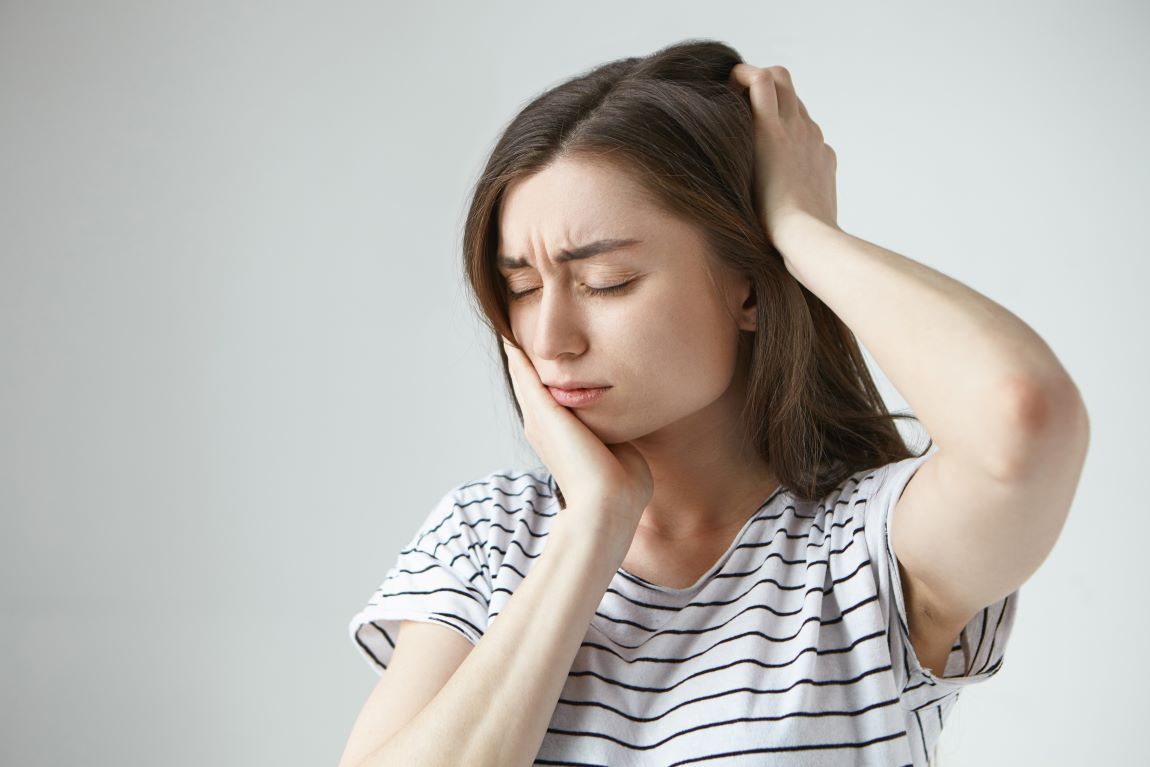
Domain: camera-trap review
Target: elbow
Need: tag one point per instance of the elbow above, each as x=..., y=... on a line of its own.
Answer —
x=1039, y=418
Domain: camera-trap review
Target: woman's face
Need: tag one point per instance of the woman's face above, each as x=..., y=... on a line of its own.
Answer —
x=664, y=342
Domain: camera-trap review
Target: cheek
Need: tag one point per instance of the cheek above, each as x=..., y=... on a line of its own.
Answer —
x=673, y=343
x=516, y=326
x=686, y=325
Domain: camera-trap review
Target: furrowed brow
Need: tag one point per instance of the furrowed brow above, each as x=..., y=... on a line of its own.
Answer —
x=590, y=250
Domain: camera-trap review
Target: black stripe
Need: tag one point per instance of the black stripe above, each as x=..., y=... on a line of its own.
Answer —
x=712, y=669
x=367, y=649
x=686, y=659
x=994, y=636
x=442, y=617
x=450, y=566
x=924, y=682
x=393, y=594
x=922, y=737
x=721, y=723
x=777, y=749
x=486, y=481
x=974, y=658
x=681, y=632
x=761, y=563
x=450, y=572
x=934, y=701
x=774, y=691
x=739, y=597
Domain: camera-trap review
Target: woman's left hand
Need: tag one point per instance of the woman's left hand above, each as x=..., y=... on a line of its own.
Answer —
x=794, y=168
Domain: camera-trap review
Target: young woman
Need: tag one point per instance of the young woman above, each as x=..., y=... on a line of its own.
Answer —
x=730, y=555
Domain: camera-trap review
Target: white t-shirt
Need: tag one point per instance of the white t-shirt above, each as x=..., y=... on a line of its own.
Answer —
x=792, y=649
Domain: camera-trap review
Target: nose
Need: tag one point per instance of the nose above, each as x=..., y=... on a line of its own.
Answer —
x=558, y=323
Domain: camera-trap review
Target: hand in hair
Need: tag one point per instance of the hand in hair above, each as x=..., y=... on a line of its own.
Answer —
x=794, y=167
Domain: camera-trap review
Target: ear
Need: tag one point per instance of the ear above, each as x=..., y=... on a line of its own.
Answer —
x=748, y=305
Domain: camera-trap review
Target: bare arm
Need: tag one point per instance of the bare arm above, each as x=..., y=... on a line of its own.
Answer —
x=980, y=517
x=977, y=376
x=494, y=711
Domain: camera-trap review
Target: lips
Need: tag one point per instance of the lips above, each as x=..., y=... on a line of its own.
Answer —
x=577, y=397
x=573, y=385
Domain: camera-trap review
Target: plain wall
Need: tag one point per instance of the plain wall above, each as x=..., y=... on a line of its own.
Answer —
x=238, y=364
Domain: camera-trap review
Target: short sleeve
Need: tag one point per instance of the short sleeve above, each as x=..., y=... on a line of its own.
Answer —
x=979, y=649
x=441, y=576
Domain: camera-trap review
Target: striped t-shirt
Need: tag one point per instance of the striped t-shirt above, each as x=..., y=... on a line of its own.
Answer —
x=792, y=649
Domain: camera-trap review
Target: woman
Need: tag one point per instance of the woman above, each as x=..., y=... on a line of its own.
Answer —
x=705, y=569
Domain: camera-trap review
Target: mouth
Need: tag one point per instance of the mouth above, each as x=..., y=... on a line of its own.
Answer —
x=577, y=385
x=577, y=397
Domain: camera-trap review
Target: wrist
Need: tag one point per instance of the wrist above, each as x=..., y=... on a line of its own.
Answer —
x=596, y=529
x=791, y=232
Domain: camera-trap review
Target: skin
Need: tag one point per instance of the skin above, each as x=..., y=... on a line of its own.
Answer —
x=666, y=345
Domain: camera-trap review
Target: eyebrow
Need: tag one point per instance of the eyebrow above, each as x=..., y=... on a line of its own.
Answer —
x=590, y=250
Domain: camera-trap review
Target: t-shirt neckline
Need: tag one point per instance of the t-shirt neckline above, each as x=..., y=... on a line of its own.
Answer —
x=719, y=563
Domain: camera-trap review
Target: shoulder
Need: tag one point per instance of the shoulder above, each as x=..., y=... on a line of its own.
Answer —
x=861, y=501
x=507, y=481
x=484, y=514
x=499, y=499
x=849, y=499
x=503, y=487
x=875, y=486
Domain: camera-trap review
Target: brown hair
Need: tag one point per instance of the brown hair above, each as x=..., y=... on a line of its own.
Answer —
x=675, y=122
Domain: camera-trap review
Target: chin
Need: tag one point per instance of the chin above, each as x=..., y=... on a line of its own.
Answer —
x=613, y=432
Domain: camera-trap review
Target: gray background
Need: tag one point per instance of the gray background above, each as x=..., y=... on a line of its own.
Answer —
x=239, y=365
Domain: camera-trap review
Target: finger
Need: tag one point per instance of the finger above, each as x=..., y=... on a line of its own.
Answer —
x=802, y=108
x=525, y=378
x=514, y=358
x=785, y=92
x=761, y=84
x=512, y=368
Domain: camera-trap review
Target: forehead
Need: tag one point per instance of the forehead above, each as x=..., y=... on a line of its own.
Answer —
x=572, y=202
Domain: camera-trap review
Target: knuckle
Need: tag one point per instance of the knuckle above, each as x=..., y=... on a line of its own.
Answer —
x=761, y=76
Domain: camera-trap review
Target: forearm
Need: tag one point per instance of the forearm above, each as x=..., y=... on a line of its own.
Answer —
x=972, y=372
x=495, y=709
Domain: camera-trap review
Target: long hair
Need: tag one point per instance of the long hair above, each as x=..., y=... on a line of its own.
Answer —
x=676, y=124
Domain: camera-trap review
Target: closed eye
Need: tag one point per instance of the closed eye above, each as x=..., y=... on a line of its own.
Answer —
x=610, y=290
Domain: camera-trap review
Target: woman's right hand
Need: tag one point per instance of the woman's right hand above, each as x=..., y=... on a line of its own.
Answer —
x=612, y=479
